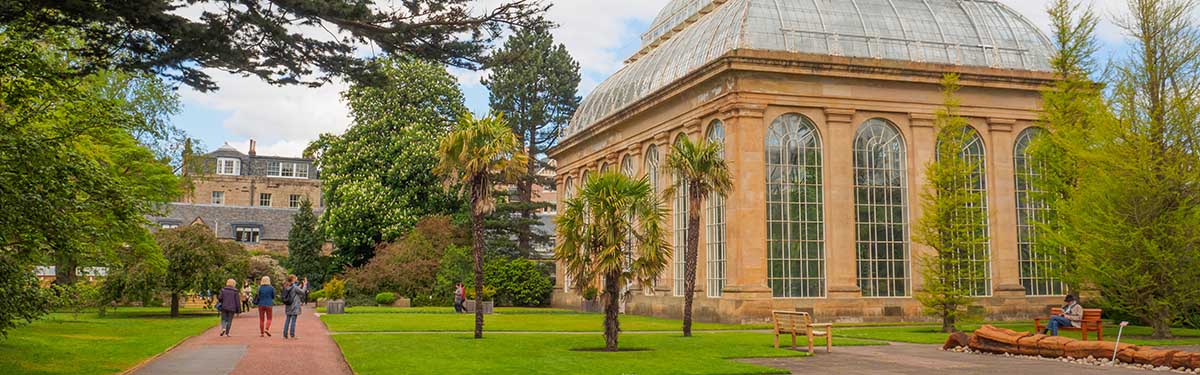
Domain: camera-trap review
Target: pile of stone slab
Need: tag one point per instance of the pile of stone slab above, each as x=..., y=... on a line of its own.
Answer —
x=1001, y=341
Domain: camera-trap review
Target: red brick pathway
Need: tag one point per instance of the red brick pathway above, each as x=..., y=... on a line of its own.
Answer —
x=313, y=352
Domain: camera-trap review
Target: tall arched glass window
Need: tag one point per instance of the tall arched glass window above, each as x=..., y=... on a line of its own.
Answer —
x=681, y=230
x=1037, y=268
x=651, y=167
x=714, y=230
x=977, y=258
x=568, y=193
x=627, y=166
x=604, y=167
x=881, y=210
x=795, y=208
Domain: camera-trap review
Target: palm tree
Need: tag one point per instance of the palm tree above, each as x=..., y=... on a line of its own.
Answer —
x=700, y=169
x=477, y=154
x=593, y=232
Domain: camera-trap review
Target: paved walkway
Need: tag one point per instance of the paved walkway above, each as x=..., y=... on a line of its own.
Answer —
x=924, y=360
x=313, y=352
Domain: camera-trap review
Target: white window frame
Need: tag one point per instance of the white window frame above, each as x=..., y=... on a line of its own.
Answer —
x=218, y=197
x=275, y=168
x=235, y=166
x=294, y=200
x=265, y=197
x=253, y=233
x=795, y=221
x=714, y=230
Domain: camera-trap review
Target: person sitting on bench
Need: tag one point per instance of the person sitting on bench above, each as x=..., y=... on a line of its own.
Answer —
x=1072, y=315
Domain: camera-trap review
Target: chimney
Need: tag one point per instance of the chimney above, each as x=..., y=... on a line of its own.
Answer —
x=252, y=152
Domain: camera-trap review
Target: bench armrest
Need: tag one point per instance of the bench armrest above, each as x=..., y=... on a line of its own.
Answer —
x=821, y=325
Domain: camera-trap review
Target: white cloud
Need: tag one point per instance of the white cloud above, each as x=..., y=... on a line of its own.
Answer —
x=274, y=114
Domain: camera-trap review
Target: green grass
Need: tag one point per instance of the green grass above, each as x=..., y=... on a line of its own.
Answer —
x=506, y=320
x=447, y=310
x=931, y=334
x=87, y=344
x=705, y=353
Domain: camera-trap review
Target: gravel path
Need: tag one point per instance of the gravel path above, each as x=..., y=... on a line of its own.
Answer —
x=313, y=352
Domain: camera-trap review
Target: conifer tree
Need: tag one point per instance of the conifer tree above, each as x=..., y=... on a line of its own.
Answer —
x=951, y=222
x=304, y=244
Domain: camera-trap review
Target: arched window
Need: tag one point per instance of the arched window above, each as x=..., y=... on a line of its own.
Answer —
x=714, y=231
x=604, y=167
x=978, y=276
x=1037, y=269
x=627, y=166
x=795, y=208
x=881, y=210
x=681, y=229
x=651, y=167
x=568, y=193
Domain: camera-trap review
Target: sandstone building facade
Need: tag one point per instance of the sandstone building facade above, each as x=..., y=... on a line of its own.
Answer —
x=826, y=111
x=246, y=197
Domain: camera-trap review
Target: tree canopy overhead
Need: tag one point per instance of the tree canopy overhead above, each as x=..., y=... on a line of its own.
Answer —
x=267, y=39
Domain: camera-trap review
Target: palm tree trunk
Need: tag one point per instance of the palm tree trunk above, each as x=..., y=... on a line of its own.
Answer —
x=691, y=250
x=612, y=327
x=477, y=253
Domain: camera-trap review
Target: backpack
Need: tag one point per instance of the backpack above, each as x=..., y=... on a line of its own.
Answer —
x=287, y=296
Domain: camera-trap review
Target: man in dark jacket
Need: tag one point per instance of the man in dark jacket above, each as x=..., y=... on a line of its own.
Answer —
x=229, y=302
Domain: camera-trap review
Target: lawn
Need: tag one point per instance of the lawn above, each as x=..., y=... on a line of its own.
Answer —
x=512, y=319
x=87, y=344
x=704, y=353
x=931, y=334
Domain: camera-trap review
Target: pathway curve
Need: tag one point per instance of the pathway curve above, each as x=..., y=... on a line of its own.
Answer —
x=313, y=352
x=917, y=359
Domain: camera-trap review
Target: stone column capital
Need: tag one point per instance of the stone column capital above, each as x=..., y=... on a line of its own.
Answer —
x=1001, y=124
x=922, y=120
x=742, y=110
x=843, y=116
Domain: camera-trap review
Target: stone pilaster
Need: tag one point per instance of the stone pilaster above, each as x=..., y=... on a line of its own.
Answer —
x=1002, y=218
x=840, y=253
x=746, y=260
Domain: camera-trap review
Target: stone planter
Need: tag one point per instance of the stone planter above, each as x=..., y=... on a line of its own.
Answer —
x=488, y=306
x=591, y=306
x=402, y=302
x=335, y=307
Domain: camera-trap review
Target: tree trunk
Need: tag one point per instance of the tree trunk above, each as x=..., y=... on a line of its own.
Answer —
x=1162, y=327
x=174, y=304
x=64, y=270
x=612, y=327
x=691, y=250
x=477, y=253
x=525, y=195
x=948, y=324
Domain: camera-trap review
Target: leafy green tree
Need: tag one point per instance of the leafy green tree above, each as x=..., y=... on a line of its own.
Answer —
x=1072, y=107
x=534, y=82
x=27, y=300
x=593, y=230
x=700, y=170
x=76, y=175
x=304, y=244
x=376, y=177
x=198, y=261
x=952, y=224
x=280, y=41
x=1132, y=219
x=474, y=158
x=453, y=268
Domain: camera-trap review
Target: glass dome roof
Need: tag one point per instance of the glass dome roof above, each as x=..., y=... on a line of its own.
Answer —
x=690, y=33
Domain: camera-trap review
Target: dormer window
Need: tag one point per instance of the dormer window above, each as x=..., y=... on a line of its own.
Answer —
x=229, y=166
x=287, y=169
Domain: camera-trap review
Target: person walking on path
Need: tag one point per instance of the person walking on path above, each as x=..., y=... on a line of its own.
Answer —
x=229, y=303
x=459, y=297
x=265, y=302
x=293, y=297
x=247, y=292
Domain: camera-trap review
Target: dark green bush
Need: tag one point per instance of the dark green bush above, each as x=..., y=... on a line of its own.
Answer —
x=518, y=282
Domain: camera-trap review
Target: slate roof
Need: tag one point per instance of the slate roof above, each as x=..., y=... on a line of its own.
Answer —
x=275, y=222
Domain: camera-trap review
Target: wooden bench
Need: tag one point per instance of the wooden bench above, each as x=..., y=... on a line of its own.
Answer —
x=800, y=323
x=1091, y=322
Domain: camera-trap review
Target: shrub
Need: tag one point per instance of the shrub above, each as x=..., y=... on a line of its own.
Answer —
x=590, y=293
x=335, y=289
x=360, y=301
x=410, y=265
x=385, y=299
x=489, y=293
x=518, y=282
x=317, y=295
x=454, y=267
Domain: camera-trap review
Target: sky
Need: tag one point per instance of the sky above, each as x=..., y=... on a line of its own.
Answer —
x=600, y=34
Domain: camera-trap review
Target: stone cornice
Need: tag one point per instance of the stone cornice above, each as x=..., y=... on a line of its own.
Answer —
x=742, y=110
x=839, y=116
